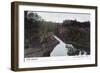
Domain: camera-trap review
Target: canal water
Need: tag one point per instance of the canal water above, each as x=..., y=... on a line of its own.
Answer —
x=60, y=49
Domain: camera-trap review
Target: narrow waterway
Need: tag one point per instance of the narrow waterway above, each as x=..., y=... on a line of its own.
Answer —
x=60, y=49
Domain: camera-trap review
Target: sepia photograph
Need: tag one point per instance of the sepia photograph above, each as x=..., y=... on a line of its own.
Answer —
x=48, y=34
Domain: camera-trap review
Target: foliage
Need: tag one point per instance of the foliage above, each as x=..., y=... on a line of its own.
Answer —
x=70, y=31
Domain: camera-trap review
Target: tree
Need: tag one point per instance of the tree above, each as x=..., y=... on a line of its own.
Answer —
x=32, y=25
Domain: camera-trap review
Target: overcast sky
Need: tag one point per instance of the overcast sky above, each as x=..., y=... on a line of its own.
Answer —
x=59, y=17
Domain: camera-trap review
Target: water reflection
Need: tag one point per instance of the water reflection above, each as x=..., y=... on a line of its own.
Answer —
x=60, y=49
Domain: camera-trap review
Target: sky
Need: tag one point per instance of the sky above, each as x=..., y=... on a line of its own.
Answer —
x=61, y=16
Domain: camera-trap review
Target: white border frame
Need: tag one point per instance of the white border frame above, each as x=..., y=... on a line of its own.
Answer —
x=51, y=61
